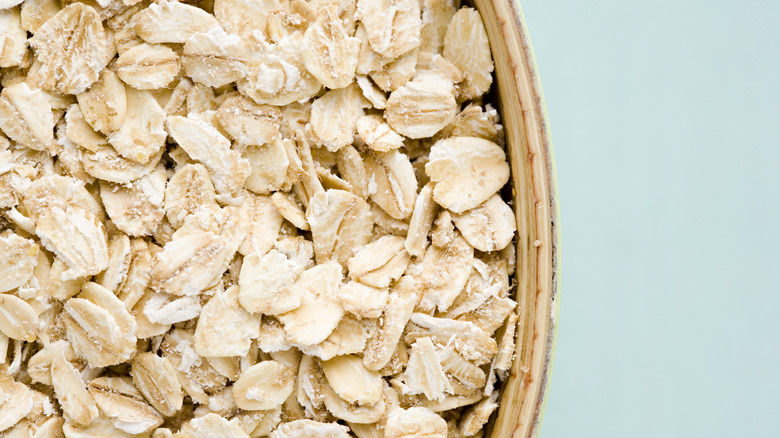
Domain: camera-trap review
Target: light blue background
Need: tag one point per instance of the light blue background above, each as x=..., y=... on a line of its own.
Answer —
x=665, y=118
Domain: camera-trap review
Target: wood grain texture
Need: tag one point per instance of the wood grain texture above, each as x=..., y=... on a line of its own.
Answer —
x=530, y=154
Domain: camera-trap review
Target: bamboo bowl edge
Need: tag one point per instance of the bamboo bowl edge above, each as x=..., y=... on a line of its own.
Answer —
x=530, y=153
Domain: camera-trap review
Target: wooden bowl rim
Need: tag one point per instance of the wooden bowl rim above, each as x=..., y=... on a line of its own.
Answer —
x=523, y=394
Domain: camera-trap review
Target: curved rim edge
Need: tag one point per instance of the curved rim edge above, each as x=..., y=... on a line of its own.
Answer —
x=552, y=182
x=527, y=128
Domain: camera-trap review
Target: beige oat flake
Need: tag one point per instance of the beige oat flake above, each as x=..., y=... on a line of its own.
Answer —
x=13, y=39
x=104, y=104
x=489, y=227
x=170, y=21
x=155, y=378
x=334, y=116
x=205, y=144
x=330, y=215
x=99, y=326
x=377, y=134
x=276, y=73
x=247, y=122
x=148, y=66
x=18, y=319
x=138, y=209
x=108, y=165
x=26, y=116
x=120, y=400
x=265, y=385
x=80, y=132
x=329, y=53
x=421, y=108
x=19, y=259
x=392, y=27
x=466, y=46
x=225, y=329
x=74, y=233
x=265, y=284
x=394, y=182
x=319, y=312
x=416, y=421
x=352, y=381
x=269, y=165
x=187, y=190
x=214, y=58
x=467, y=171
x=71, y=47
x=310, y=429
x=380, y=262
x=77, y=404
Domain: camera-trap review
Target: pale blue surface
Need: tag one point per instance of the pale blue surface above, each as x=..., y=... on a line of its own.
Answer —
x=665, y=117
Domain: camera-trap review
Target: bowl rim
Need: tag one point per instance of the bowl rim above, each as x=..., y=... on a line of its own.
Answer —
x=524, y=393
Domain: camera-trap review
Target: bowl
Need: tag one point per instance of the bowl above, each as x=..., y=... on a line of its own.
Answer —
x=529, y=148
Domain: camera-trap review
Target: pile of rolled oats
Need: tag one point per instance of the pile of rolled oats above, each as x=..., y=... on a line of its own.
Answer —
x=241, y=218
